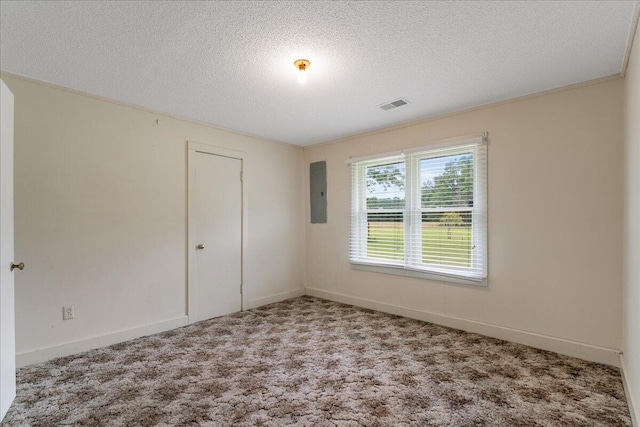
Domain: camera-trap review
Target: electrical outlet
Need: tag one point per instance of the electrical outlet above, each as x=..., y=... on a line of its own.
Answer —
x=68, y=313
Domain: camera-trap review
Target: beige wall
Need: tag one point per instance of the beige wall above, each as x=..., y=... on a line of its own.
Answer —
x=101, y=221
x=100, y=208
x=555, y=225
x=631, y=301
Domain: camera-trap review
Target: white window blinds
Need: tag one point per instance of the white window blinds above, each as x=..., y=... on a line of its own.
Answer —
x=425, y=210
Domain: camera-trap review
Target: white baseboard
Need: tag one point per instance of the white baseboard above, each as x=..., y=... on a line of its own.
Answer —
x=633, y=407
x=589, y=352
x=65, y=349
x=72, y=347
x=258, y=302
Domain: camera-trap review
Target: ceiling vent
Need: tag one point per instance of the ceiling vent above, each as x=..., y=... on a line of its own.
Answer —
x=394, y=104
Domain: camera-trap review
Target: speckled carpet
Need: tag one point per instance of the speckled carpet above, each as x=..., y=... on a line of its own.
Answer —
x=312, y=362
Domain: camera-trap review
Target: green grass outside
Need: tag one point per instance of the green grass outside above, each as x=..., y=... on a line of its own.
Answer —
x=441, y=245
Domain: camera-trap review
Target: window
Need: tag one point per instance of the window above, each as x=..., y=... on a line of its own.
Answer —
x=422, y=212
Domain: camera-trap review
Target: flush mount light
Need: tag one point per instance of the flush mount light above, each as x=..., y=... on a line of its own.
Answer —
x=302, y=65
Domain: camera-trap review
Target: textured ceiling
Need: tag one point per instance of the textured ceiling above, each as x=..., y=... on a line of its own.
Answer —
x=231, y=63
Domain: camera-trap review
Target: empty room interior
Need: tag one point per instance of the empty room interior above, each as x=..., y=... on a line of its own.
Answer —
x=349, y=213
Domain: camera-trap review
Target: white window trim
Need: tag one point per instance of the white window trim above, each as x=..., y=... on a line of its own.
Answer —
x=430, y=275
x=407, y=268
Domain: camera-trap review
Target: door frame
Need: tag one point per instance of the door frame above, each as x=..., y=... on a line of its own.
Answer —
x=193, y=148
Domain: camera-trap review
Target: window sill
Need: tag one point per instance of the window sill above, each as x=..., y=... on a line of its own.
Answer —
x=400, y=271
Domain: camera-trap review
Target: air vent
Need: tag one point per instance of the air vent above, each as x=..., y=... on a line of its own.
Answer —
x=394, y=104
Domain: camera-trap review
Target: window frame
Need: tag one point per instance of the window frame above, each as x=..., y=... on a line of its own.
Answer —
x=412, y=265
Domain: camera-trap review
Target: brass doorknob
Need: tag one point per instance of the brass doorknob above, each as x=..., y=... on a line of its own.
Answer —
x=18, y=266
x=200, y=246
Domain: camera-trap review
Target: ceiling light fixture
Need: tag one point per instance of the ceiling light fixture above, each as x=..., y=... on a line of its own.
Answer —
x=301, y=65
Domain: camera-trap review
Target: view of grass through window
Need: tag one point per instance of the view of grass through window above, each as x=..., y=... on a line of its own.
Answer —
x=446, y=200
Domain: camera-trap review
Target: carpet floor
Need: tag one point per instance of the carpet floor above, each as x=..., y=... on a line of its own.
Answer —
x=312, y=362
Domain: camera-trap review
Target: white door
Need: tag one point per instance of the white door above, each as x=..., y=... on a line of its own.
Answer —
x=218, y=234
x=7, y=310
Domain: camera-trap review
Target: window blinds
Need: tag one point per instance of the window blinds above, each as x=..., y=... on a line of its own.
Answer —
x=425, y=210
